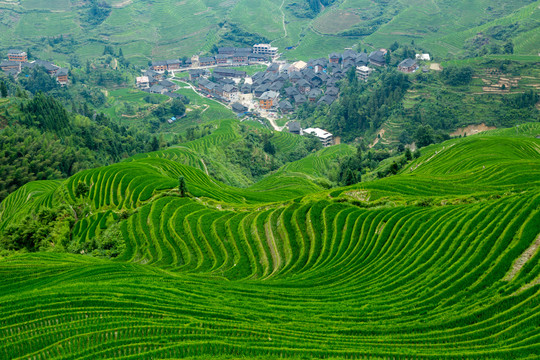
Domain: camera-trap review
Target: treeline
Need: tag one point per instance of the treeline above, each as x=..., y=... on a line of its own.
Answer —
x=351, y=168
x=43, y=141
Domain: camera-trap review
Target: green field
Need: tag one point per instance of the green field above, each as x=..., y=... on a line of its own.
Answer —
x=437, y=262
x=173, y=29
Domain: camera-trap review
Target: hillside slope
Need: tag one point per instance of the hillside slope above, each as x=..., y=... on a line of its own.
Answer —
x=167, y=29
x=372, y=270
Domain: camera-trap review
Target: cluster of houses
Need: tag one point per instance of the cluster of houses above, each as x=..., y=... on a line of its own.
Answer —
x=154, y=82
x=226, y=56
x=285, y=86
x=18, y=60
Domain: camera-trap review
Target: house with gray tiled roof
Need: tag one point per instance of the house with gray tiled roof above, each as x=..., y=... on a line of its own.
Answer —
x=377, y=58
x=408, y=66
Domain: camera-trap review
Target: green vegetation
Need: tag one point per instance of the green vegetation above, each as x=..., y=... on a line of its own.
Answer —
x=431, y=263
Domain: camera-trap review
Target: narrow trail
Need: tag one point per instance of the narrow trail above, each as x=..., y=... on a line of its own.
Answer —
x=282, y=22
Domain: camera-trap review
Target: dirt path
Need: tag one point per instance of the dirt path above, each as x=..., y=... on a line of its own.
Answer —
x=520, y=261
x=122, y=4
x=283, y=22
x=380, y=135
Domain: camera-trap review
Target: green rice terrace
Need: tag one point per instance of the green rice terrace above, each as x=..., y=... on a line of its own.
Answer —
x=438, y=262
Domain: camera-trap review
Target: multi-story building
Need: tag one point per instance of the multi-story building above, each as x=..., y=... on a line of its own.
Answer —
x=362, y=72
x=324, y=136
x=268, y=99
x=265, y=49
x=17, y=55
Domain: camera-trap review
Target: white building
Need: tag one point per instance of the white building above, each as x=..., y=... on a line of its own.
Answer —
x=325, y=137
x=423, y=57
x=143, y=82
x=265, y=49
x=362, y=72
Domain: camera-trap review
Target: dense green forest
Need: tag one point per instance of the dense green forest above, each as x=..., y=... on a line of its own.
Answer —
x=41, y=140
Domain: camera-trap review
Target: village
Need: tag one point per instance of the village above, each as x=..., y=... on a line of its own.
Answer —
x=18, y=60
x=274, y=93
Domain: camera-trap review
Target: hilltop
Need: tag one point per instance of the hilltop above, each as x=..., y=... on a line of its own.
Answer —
x=76, y=30
x=438, y=261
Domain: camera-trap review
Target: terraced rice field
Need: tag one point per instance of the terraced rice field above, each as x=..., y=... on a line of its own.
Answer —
x=266, y=273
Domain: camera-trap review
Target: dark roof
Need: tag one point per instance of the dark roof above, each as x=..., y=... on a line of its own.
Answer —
x=228, y=88
x=226, y=49
x=273, y=67
x=238, y=108
x=407, y=63
x=332, y=90
x=174, y=95
x=244, y=51
x=291, y=91
x=49, y=66
x=159, y=63
x=10, y=63
x=377, y=56
x=299, y=99
x=334, y=56
x=303, y=83
x=349, y=63
x=269, y=95
x=362, y=59
x=258, y=56
x=222, y=56
x=16, y=52
x=246, y=88
x=257, y=75
x=261, y=88
x=276, y=86
x=295, y=75
x=350, y=54
x=206, y=59
x=62, y=72
x=230, y=72
x=294, y=126
x=151, y=72
x=285, y=105
x=166, y=83
x=326, y=99
x=313, y=93
x=173, y=61
x=156, y=89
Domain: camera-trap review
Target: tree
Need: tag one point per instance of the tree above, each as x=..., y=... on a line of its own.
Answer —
x=268, y=147
x=350, y=178
x=3, y=89
x=509, y=48
x=120, y=53
x=182, y=187
x=408, y=154
x=81, y=190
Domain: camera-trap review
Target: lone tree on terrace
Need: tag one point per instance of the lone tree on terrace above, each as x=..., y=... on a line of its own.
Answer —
x=182, y=188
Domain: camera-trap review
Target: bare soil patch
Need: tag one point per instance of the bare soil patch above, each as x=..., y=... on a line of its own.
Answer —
x=472, y=129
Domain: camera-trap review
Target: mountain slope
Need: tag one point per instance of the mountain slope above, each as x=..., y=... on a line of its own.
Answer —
x=167, y=29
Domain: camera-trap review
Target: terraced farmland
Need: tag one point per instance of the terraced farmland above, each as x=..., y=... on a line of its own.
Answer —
x=267, y=273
